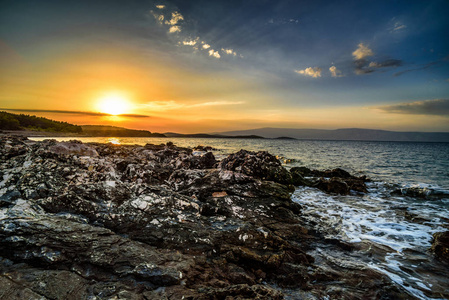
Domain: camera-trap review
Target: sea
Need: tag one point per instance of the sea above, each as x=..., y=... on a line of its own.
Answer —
x=407, y=200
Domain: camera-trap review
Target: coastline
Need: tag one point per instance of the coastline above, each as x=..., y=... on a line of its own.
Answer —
x=159, y=221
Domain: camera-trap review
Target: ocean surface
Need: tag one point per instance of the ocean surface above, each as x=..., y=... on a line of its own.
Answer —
x=407, y=201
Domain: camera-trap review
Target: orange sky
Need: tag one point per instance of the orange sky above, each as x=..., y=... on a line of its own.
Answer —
x=182, y=82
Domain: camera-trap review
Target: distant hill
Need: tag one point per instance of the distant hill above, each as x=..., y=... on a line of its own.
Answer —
x=113, y=131
x=205, y=135
x=9, y=121
x=349, y=134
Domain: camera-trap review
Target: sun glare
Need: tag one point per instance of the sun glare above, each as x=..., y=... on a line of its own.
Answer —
x=113, y=104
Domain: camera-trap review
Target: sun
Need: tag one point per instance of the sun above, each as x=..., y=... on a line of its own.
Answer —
x=113, y=104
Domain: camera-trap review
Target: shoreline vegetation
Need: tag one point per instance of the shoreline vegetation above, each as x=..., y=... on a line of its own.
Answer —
x=159, y=222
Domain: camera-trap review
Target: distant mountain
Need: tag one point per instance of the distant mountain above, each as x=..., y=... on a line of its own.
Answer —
x=349, y=134
x=113, y=131
x=206, y=135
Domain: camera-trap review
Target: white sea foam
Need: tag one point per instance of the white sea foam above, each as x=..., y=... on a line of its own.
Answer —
x=395, y=222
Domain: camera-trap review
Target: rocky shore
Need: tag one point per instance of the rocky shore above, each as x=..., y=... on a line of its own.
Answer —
x=104, y=221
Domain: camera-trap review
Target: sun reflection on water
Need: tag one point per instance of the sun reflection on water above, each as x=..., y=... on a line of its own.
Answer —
x=114, y=141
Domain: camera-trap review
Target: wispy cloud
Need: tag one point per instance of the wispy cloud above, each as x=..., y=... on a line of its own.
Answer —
x=386, y=63
x=229, y=51
x=399, y=26
x=283, y=21
x=439, y=107
x=362, y=52
x=364, y=66
x=173, y=105
x=174, y=22
x=335, y=72
x=312, y=72
x=175, y=18
x=190, y=42
x=396, y=26
x=72, y=112
x=423, y=67
x=214, y=53
x=174, y=28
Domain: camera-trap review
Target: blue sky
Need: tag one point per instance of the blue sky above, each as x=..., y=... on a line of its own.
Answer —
x=246, y=64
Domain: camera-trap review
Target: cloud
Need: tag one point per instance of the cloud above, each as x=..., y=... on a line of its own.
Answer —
x=159, y=17
x=229, y=51
x=426, y=66
x=175, y=18
x=174, y=29
x=335, y=72
x=363, y=66
x=386, y=63
x=397, y=27
x=216, y=103
x=214, y=53
x=72, y=112
x=190, y=42
x=283, y=21
x=438, y=107
x=175, y=25
x=312, y=72
x=362, y=52
x=173, y=105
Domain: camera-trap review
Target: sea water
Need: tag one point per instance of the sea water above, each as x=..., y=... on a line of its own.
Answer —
x=407, y=200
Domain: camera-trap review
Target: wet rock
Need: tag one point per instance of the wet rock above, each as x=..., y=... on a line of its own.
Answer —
x=334, y=185
x=204, y=148
x=154, y=222
x=336, y=181
x=440, y=245
x=261, y=165
x=298, y=174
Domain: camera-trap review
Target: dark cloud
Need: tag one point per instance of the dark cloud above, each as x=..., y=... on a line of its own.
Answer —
x=363, y=66
x=72, y=112
x=386, y=63
x=438, y=107
x=426, y=66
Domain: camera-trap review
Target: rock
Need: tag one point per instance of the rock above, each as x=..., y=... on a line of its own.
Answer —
x=204, y=148
x=298, y=179
x=156, y=222
x=261, y=165
x=73, y=148
x=440, y=245
x=336, y=181
x=334, y=185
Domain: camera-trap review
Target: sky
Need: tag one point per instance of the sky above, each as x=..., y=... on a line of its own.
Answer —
x=210, y=66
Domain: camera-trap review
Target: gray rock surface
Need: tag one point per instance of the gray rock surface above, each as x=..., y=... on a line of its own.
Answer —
x=101, y=221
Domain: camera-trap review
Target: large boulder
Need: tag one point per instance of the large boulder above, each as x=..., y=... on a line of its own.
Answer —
x=261, y=165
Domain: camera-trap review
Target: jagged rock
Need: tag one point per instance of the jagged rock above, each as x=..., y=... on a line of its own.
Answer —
x=334, y=185
x=336, y=181
x=73, y=148
x=154, y=222
x=261, y=165
x=440, y=245
x=204, y=148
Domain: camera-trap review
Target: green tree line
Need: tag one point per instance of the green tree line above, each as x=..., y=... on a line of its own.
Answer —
x=9, y=121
